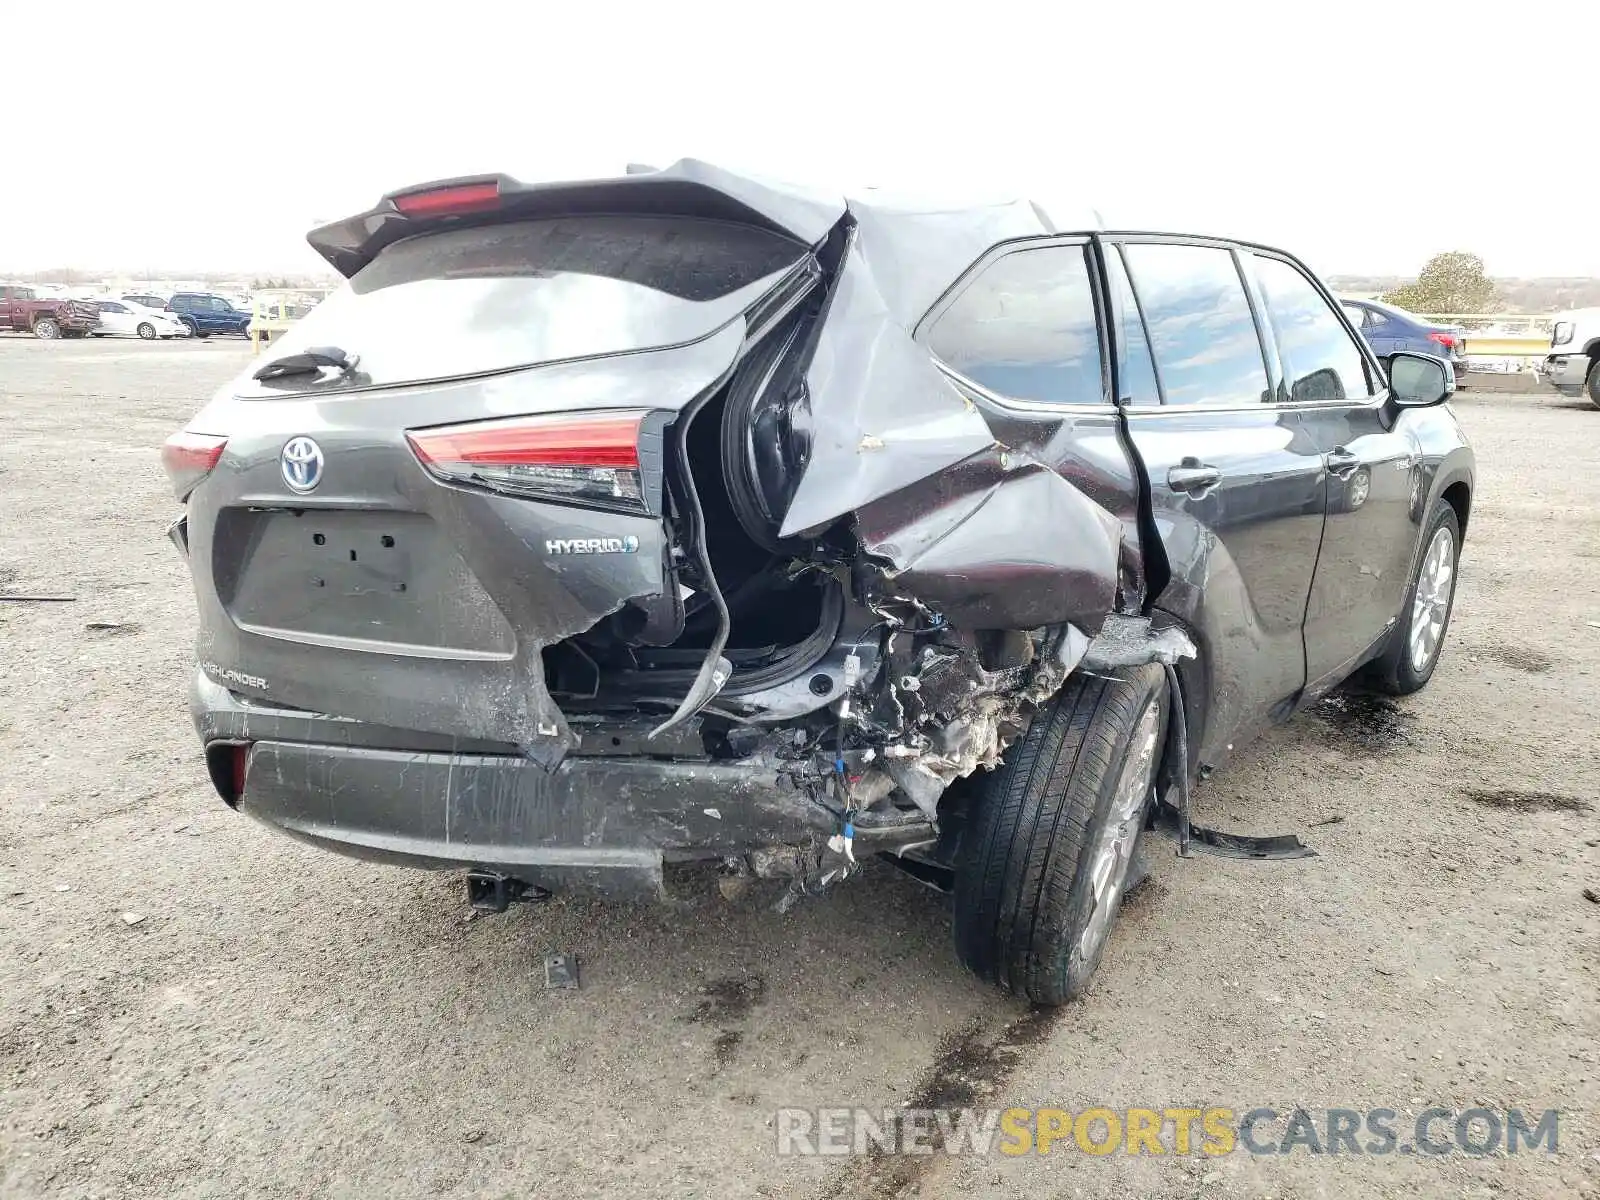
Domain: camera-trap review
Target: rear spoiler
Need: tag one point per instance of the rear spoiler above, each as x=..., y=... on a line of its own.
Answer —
x=688, y=188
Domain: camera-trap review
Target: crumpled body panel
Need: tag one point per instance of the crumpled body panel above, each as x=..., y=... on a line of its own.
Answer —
x=883, y=415
x=985, y=535
x=997, y=544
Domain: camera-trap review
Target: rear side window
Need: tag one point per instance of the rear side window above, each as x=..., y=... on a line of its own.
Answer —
x=1025, y=328
x=1321, y=361
x=1135, y=368
x=1201, y=328
x=496, y=297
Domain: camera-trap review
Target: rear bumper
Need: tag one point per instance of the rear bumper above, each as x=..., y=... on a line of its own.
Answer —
x=1565, y=372
x=602, y=823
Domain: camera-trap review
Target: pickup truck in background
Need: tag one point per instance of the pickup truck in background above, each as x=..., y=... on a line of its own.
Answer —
x=1572, y=365
x=205, y=314
x=23, y=310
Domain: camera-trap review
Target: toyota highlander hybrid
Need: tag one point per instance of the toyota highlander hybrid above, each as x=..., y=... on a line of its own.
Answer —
x=684, y=516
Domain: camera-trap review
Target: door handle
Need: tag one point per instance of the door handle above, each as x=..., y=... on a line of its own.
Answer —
x=1192, y=475
x=1341, y=462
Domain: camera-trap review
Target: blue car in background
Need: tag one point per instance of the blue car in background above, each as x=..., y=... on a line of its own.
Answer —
x=1389, y=329
x=204, y=314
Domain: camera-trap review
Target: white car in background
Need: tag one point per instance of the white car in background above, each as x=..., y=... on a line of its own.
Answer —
x=1572, y=365
x=123, y=318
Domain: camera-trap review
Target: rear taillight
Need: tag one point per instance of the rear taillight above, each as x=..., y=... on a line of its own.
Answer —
x=189, y=458
x=447, y=201
x=1447, y=340
x=580, y=458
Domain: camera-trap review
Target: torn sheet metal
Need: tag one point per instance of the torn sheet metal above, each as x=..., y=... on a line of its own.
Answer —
x=882, y=415
x=998, y=543
x=1125, y=641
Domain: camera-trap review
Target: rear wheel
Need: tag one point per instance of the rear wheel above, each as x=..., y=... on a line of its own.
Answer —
x=47, y=328
x=1413, y=653
x=1043, y=865
x=1591, y=387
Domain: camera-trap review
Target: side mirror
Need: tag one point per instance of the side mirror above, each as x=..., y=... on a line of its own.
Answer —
x=1420, y=380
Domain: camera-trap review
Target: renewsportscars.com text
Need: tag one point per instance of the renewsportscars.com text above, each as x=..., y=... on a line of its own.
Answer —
x=1208, y=1131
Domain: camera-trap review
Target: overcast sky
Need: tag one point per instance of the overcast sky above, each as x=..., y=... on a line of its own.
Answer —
x=1363, y=137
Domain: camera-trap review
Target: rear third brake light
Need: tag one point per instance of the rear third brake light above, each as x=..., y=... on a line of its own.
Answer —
x=189, y=457
x=446, y=201
x=580, y=458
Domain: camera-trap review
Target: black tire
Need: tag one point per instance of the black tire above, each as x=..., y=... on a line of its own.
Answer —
x=1591, y=386
x=1024, y=888
x=1397, y=670
x=194, y=330
x=47, y=329
x=147, y=331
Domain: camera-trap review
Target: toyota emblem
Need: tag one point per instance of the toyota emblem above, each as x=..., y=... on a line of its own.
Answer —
x=302, y=464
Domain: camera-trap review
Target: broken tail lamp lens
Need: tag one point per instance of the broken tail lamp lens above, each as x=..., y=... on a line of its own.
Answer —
x=589, y=458
x=189, y=457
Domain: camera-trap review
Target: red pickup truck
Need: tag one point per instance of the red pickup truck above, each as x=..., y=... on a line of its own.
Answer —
x=23, y=310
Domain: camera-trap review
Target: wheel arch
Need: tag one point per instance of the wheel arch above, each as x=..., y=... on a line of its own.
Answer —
x=1458, y=495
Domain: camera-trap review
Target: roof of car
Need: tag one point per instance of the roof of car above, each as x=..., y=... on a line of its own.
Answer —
x=916, y=246
x=1394, y=310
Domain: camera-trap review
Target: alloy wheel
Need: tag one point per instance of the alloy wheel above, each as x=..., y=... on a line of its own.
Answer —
x=1430, y=606
x=1112, y=853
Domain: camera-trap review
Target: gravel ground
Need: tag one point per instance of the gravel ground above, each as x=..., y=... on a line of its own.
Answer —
x=193, y=1006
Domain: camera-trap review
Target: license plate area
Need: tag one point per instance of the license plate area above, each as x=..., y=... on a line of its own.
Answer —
x=379, y=581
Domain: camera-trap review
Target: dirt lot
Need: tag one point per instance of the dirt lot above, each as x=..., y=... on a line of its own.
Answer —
x=285, y=1022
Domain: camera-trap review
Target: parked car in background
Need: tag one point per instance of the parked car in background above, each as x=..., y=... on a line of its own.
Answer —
x=206, y=313
x=123, y=318
x=1573, y=365
x=715, y=520
x=146, y=299
x=1388, y=329
x=24, y=310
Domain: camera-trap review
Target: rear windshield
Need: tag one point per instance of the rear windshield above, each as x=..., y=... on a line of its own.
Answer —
x=469, y=301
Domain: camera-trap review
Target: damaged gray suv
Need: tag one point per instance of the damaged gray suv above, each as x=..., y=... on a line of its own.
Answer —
x=683, y=516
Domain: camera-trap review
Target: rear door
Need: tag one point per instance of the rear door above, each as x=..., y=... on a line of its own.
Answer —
x=1374, y=472
x=1369, y=323
x=1383, y=333
x=1236, y=479
x=116, y=317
